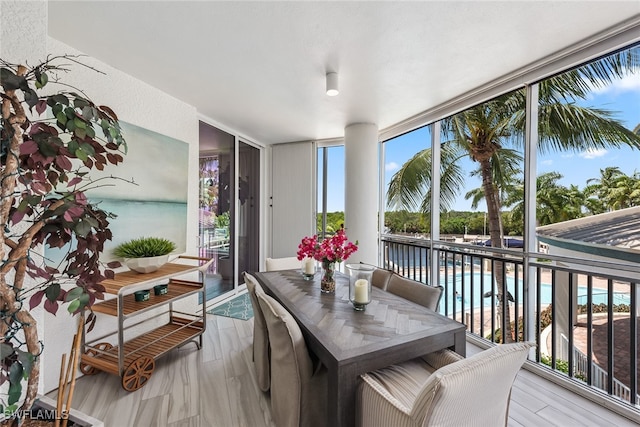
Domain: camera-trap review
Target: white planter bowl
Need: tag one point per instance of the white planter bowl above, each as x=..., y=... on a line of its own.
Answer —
x=146, y=265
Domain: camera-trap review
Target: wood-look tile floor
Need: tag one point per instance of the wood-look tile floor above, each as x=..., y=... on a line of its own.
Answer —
x=216, y=387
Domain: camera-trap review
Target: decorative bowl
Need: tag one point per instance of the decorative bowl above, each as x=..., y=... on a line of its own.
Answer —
x=146, y=265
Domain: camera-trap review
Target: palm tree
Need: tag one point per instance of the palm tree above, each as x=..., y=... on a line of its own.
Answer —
x=613, y=190
x=554, y=202
x=486, y=131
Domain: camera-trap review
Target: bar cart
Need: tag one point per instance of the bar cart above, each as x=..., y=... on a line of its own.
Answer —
x=133, y=358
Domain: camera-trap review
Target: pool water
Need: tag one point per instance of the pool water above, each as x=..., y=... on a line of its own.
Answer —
x=599, y=296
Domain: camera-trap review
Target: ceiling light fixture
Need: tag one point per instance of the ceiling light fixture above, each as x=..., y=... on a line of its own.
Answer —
x=332, y=84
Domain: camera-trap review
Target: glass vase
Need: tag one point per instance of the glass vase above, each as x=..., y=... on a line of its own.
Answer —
x=328, y=282
x=360, y=285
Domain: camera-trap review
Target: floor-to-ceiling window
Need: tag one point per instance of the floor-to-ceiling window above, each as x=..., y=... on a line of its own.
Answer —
x=330, y=184
x=553, y=167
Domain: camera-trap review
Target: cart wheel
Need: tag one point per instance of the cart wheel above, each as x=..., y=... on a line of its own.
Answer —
x=137, y=373
x=88, y=369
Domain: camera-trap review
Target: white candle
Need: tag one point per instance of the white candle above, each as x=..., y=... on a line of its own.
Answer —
x=309, y=266
x=361, y=292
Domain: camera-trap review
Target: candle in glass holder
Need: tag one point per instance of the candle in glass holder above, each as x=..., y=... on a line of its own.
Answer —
x=309, y=266
x=361, y=291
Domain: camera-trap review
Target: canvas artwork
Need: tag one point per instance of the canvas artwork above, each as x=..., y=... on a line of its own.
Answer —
x=155, y=204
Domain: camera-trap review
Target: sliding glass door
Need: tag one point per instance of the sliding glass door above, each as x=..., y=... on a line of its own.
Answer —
x=229, y=209
x=248, y=208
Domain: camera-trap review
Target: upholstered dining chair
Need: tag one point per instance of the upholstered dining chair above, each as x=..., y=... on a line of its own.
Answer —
x=298, y=391
x=442, y=389
x=287, y=263
x=420, y=293
x=260, y=335
x=380, y=278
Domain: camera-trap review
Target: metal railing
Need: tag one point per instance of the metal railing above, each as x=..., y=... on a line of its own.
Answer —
x=592, y=304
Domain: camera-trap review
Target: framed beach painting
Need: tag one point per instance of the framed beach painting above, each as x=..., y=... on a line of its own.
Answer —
x=154, y=203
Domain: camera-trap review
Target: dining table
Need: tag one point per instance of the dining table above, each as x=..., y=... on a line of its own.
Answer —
x=349, y=343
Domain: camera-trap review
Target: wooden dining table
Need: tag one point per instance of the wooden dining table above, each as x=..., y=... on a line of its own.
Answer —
x=349, y=342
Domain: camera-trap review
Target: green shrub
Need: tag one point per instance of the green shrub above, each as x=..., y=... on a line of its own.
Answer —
x=144, y=247
x=563, y=366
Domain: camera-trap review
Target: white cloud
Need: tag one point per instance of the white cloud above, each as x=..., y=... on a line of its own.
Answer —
x=391, y=166
x=630, y=83
x=548, y=162
x=593, y=154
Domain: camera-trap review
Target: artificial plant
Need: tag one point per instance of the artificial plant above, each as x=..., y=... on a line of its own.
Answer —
x=49, y=144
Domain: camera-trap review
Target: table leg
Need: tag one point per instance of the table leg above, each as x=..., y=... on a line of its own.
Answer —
x=460, y=345
x=343, y=383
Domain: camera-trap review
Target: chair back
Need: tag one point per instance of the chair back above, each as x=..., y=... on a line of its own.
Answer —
x=380, y=278
x=288, y=263
x=260, y=334
x=294, y=400
x=477, y=388
x=420, y=293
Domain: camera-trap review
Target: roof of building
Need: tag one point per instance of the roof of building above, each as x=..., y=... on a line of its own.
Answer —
x=609, y=234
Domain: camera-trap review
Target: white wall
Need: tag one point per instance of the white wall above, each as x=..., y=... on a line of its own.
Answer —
x=292, y=197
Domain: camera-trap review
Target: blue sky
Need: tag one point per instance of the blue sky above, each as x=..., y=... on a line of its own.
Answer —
x=622, y=97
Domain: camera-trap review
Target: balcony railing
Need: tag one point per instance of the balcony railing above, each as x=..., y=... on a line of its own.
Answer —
x=581, y=313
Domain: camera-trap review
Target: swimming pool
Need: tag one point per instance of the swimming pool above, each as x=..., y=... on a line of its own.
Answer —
x=599, y=296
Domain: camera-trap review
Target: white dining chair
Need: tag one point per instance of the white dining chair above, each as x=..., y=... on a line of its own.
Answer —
x=418, y=292
x=298, y=390
x=287, y=263
x=260, y=335
x=442, y=389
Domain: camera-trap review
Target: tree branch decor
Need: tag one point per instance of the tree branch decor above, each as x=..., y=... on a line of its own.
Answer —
x=49, y=144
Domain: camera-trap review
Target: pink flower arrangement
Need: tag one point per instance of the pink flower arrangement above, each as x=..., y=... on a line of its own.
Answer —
x=336, y=248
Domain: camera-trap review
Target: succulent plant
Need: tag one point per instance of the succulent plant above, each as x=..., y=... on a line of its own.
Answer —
x=144, y=247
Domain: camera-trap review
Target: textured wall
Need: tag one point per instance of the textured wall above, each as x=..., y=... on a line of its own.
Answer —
x=23, y=30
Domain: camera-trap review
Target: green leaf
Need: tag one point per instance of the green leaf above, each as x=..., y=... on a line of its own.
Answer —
x=81, y=154
x=84, y=300
x=80, y=123
x=56, y=109
x=73, y=294
x=80, y=103
x=46, y=149
x=43, y=79
x=9, y=80
x=80, y=133
x=74, y=306
x=60, y=99
x=52, y=292
x=5, y=350
x=73, y=146
x=82, y=228
x=88, y=148
x=70, y=112
x=15, y=373
x=15, y=389
x=26, y=359
x=60, y=116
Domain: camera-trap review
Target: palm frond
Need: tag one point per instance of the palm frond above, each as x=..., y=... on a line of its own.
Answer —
x=566, y=127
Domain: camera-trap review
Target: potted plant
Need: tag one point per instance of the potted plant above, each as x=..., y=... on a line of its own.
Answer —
x=50, y=142
x=145, y=254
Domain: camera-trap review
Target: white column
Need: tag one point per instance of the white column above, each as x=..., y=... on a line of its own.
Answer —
x=361, y=190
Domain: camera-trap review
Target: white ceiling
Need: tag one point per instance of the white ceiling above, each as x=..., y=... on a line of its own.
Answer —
x=258, y=68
